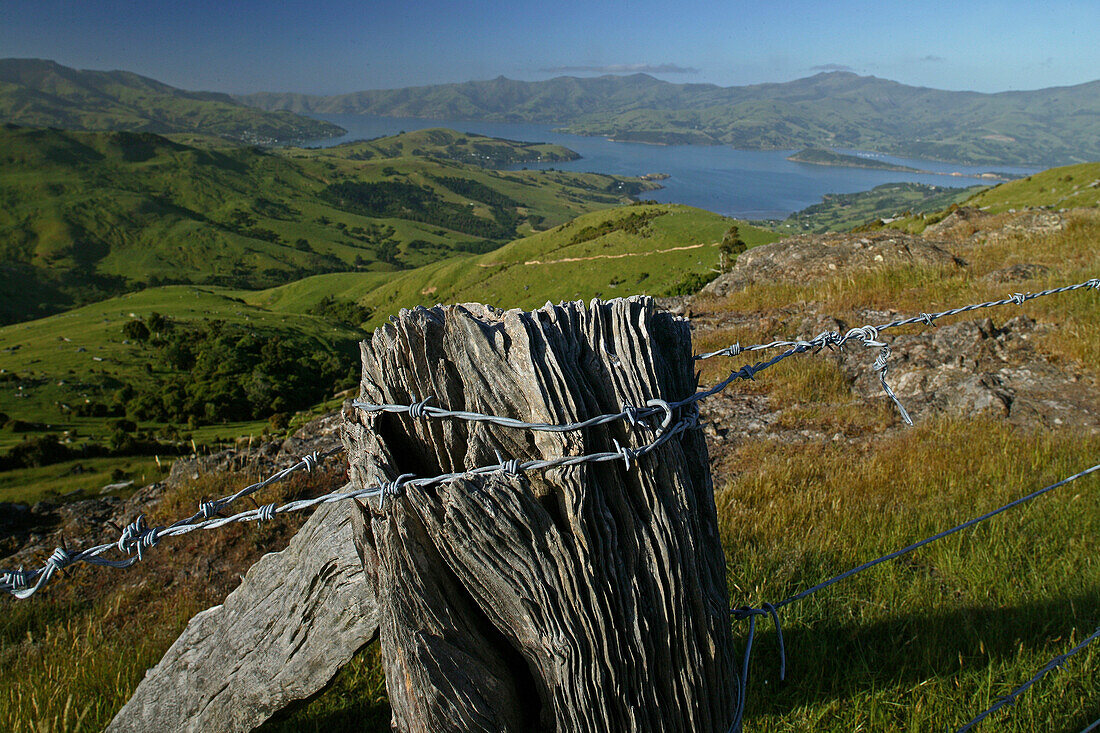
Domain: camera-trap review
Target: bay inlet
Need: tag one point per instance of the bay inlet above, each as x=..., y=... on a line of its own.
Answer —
x=747, y=184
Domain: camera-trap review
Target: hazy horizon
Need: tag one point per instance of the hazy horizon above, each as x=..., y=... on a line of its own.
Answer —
x=344, y=47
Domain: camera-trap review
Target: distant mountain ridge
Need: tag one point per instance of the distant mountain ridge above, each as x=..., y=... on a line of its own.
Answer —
x=41, y=93
x=1057, y=125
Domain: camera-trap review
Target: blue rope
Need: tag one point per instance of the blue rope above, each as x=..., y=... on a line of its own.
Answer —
x=1095, y=726
x=771, y=609
x=1010, y=698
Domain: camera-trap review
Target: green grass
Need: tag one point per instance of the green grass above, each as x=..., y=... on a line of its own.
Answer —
x=925, y=642
x=80, y=354
x=841, y=212
x=1068, y=187
x=548, y=266
x=530, y=271
x=87, y=215
x=471, y=148
x=59, y=481
x=1071, y=186
x=46, y=94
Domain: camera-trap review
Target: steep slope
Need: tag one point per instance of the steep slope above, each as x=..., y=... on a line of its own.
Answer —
x=47, y=94
x=84, y=215
x=652, y=249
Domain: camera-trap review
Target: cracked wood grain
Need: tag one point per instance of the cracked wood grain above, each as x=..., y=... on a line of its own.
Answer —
x=590, y=598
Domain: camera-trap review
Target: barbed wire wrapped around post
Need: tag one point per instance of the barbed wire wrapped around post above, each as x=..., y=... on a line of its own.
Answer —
x=868, y=335
x=137, y=537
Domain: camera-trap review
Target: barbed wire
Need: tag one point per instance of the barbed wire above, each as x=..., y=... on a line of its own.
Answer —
x=771, y=609
x=833, y=338
x=137, y=536
x=868, y=335
x=1010, y=698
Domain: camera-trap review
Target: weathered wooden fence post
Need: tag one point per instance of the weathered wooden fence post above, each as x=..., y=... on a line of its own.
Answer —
x=587, y=598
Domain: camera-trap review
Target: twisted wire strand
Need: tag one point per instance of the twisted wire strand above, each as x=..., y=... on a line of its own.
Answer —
x=137, y=537
x=1010, y=698
x=867, y=334
x=827, y=338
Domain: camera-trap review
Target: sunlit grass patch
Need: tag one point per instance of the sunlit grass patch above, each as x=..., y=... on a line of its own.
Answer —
x=925, y=641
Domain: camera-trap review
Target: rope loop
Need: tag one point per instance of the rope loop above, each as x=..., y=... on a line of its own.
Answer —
x=732, y=350
x=311, y=461
x=1018, y=298
x=927, y=319
x=416, y=409
x=266, y=513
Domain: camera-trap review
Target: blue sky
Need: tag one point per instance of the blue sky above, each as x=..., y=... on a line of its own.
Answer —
x=332, y=47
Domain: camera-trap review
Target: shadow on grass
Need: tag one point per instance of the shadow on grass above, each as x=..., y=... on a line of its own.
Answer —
x=835, y=660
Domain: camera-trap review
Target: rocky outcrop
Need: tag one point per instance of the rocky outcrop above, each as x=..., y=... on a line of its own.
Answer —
x=814, y=256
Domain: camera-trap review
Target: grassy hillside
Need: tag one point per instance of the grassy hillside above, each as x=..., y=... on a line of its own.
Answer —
x=471, y=148
x=88, y=215
x=920, y=644
x=1067, y=187
x=54, y=367
x=841, y=212
x=47, y=94
x=831, y=110
x=652, y=249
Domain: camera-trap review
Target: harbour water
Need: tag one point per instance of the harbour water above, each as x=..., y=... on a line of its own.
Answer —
x=746, y=184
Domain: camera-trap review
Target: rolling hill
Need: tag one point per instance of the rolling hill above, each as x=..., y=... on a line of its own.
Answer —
x=84, y=356
x=471, y=148
x=830, y=110
x=88, y=215
x=650, y=248
x=46, y=94
x=1068, y=187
